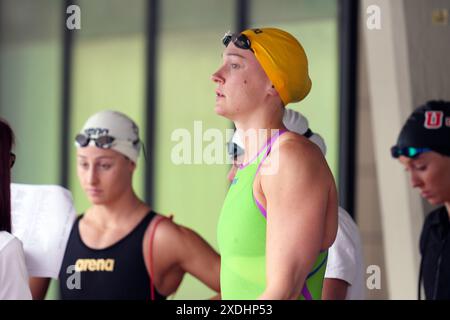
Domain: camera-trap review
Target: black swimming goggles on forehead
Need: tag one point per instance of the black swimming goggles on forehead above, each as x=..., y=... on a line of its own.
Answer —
x=239, y=40
x=102, y=142
x=410, y=152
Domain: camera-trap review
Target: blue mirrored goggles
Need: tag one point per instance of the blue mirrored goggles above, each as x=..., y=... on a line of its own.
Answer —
x=410, y=152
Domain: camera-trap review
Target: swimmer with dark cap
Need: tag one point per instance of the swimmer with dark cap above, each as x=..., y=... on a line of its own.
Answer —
x=423, y=148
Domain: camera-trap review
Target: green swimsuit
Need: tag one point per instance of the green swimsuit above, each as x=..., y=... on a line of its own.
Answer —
x=242, y=240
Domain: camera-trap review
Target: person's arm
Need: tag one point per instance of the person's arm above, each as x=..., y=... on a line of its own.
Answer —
x=39, y=287
x=334, y=289
x=345, y=262
x=13, y=273
x=177, y=250
x=297, y=196
x=199, y=259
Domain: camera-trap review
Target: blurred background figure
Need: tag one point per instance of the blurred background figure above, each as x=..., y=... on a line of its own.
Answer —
x=13, y=271
x=344, y=276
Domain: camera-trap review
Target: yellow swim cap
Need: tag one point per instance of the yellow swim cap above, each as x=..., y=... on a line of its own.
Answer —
x=283, y=59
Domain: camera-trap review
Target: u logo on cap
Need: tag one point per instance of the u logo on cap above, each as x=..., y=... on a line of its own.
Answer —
x=433, y=119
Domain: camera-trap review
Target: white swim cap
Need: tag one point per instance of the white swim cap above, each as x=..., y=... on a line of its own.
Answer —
x=122, y=132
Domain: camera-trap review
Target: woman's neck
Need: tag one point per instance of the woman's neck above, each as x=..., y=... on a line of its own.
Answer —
x=126, y=208
x=257, y=130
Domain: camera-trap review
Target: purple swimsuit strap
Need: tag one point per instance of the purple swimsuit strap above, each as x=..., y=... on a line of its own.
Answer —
x=269, y=144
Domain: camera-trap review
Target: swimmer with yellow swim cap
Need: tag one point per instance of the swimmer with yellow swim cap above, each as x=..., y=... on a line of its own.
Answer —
x=280, y=214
